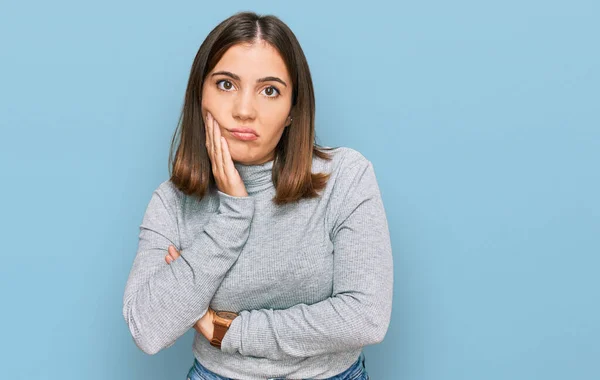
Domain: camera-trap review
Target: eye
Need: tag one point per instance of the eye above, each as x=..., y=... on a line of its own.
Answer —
x=227, y=85
x=271, y=92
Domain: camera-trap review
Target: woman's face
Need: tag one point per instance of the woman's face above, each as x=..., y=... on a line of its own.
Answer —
x=249, y=87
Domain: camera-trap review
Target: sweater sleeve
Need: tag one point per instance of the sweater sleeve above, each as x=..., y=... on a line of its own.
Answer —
x=358, y=312
x=161, y=301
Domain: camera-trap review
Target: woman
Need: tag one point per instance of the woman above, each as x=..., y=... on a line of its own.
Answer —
x=275, y=250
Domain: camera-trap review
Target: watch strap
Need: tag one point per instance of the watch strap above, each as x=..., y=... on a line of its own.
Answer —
x=218, y=334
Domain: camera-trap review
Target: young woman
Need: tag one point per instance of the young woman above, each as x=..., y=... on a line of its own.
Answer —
x=276, y=250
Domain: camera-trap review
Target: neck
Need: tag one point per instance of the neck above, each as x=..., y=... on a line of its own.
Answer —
x=255, y=176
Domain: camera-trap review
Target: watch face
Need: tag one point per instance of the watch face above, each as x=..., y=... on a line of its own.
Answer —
x=226, y=314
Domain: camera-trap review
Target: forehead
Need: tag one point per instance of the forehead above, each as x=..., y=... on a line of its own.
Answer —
x=253, y=61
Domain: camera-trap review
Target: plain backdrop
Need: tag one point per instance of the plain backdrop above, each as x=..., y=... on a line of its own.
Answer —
x=481, y=120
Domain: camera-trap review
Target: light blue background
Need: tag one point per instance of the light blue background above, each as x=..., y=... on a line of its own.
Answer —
x=481, y=120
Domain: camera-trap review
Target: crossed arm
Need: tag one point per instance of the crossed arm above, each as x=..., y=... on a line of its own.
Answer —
x=357, y=313
x=359, y=310
x=162, y=302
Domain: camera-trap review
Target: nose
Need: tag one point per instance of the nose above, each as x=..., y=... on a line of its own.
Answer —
x=244, y=107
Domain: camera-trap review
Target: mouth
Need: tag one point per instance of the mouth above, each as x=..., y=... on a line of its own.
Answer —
x=244, y=130
x=244, y=136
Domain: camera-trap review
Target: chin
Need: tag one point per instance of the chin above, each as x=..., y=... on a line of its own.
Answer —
x=237, y=157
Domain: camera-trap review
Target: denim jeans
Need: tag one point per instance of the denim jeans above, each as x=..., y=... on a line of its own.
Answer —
x=356, y=371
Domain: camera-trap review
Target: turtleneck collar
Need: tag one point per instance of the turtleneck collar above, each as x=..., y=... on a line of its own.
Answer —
x=256, y=177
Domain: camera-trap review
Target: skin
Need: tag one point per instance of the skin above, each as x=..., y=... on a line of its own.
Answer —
x=248, y=103
x=242, y=99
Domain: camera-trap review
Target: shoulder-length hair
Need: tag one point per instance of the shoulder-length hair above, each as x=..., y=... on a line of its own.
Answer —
x=190, y=169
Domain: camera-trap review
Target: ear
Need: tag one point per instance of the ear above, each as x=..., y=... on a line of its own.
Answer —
x=288, y=121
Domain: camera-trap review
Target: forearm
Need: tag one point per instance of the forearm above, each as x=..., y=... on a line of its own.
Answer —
x=338, y=323
x=359, y=310
x=162, y=307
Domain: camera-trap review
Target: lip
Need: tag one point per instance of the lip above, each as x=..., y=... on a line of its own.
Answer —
x=244, y=130
x=244, y=136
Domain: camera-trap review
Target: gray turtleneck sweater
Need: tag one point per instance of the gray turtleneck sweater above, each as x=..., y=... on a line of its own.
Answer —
x=312, y=281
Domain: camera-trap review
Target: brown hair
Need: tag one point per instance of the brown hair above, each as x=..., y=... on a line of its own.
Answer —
x=190, y=169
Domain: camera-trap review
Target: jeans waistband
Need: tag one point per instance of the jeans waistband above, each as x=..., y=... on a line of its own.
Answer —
x=357, y=367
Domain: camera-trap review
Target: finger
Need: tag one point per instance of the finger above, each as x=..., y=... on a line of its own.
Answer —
x=217, y=147
x=213, y=148
x=168, y=259
x=227, y=161
x=173, y=252
x=207, y=130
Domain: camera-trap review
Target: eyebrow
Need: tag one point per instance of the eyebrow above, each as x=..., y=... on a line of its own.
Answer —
x=260, y=80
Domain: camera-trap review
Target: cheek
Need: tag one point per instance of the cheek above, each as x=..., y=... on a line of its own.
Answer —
x=274, y=114
x=210, y=102
x=206, y=103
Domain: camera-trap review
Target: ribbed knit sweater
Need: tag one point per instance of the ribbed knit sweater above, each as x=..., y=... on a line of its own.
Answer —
x=312, y=281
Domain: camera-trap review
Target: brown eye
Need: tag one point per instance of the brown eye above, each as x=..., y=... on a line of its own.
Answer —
x=224, y=85
x=271, y=92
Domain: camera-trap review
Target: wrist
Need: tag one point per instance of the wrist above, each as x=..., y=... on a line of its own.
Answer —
x=221, y=321
x=231, y=342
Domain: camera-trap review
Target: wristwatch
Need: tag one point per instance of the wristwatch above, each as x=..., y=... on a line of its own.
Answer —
x=221, y=321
